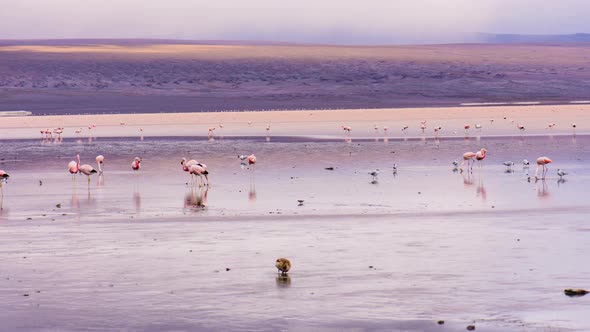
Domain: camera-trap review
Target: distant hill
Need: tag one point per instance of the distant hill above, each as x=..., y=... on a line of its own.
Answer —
x=515, y=38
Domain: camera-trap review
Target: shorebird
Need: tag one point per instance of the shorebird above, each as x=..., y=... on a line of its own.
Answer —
x=520, y=127
x=467, y=126
x=283, y=265
x=455, y=163
x=100, y=162
x=542, y=162
x=574, y=128
x=550, y=126
x=374, y=174
x=136, y=164
x=561, y=173
x=525, y=163
x=508, y=165
x=404, y=128
x=394, y=168
x=480, y=156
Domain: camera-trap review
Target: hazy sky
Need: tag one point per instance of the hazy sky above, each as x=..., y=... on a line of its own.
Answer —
x=323, y=21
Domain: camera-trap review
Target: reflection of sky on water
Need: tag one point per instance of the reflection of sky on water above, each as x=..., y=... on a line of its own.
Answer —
x=288, y=171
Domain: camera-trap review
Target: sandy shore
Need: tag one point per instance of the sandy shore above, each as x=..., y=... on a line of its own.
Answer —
x=320, y=123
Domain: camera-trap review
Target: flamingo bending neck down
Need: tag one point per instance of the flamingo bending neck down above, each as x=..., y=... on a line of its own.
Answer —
x=136, y=164
x=200, y=170
x=186, y=165
x=467, y=157
x=542, y=162
x=100, y=162
x=481, y=155
x=86, y=170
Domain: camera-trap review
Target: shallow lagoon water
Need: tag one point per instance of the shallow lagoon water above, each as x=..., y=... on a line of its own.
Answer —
x=136, y=251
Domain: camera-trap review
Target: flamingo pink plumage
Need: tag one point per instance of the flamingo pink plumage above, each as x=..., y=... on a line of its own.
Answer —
x=100, y=162
x=481, y=155
x=542, y=162
x=467, y=157
x=136, y=164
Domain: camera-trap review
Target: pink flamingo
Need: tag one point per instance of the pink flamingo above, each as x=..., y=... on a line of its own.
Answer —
x=136, y=164
x=436, y=130
x=423, y=126
x=542, y=162
x=200, y=170
x=210, y=134
x=100, y=162
x=86, y=170
x=467, y=157
x=347, y=130
x=481, y=155
x=3, y=178
x=74, y=167
x=186, y=165
x=252, y=160
x=467, y=126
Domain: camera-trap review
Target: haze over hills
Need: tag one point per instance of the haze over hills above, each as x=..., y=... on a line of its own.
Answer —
x=96, y=76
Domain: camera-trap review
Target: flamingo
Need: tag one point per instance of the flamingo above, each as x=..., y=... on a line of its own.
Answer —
x=86, y=170
x=347, y=130
x=467, y=126
x=423, y=126
x=210, y=134
x=3, y=178
x=267, y=128
x=542, y=162
x=136, y=164
x=520, y=127
x=73, y=167
x=467, y=157
x=480, y=155
x=186, y=165
x=436, y=130
x=251, y=160
x=199, y=170
x=100, y=162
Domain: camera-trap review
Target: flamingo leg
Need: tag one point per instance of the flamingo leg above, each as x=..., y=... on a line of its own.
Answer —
x=537, y=172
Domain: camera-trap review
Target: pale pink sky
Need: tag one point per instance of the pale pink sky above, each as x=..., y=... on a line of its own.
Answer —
x=324, y=21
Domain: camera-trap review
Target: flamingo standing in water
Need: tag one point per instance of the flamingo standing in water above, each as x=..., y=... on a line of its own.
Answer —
x=186, y=165
x=86, y=170
x=520, y=127
x=252, y=160
x=3, y=177
x=347, y=130
x=481, y=155
x=200, y=170
x=467, y=157
x=423, y=126
x=136, y=164
x=73, y=168
x=542, y=162
x=100, y=162
x=467, y=126
x=436, y=130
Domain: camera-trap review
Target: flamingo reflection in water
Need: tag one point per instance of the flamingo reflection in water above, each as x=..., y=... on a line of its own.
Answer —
x=196, y=197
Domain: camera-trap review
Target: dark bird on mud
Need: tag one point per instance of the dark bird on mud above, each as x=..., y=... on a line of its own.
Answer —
x=283, y=265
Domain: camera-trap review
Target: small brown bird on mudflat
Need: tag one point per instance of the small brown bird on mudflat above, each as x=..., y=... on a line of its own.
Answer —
x=284, y=265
